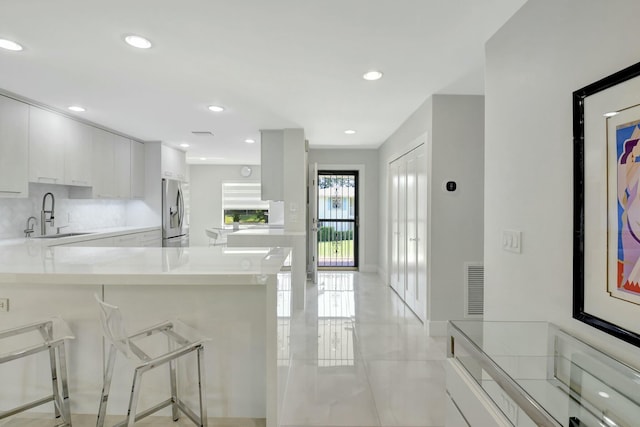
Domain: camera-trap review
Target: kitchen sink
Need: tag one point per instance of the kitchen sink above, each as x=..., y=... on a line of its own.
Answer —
x=57, y=236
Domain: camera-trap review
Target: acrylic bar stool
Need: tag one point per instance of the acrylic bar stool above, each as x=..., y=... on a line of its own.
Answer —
x=44, y=336
x=182, y=340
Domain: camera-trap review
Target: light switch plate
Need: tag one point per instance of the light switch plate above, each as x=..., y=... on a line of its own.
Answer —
x=512, y=241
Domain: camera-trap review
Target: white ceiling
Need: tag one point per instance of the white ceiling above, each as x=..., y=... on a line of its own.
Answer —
x=273, y=64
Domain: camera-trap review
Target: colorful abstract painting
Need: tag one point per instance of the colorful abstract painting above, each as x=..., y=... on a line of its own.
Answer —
x=628, y=165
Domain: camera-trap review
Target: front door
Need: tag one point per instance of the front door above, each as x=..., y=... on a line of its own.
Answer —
x=338, y=219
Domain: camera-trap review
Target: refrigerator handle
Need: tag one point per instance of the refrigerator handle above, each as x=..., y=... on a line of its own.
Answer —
x=180, y=208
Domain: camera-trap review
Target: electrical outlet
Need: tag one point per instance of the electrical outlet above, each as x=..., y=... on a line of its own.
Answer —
x=4, y=304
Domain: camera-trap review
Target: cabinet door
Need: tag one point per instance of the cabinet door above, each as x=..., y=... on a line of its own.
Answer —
x=122, y=166
x=78, y=154
x=137, y=170
x=174, y=163
x=103, y=164
x=47, y=138
x=14, y=148
x=127, y=240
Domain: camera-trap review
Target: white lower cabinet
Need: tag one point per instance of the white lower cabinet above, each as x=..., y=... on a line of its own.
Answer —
x=150, y=239
x=128, y=240
x=104, y=242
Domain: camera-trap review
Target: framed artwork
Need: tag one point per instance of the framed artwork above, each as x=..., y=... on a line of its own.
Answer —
x=606, y=235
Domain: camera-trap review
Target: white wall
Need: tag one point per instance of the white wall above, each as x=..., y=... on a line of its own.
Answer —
x=457, y=236
x=452, y=127
x=367, y=163
x=79, y=214
x=533, y=64
x=206, y=196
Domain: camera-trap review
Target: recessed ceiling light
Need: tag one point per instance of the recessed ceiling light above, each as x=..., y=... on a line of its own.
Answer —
x=249, y=141
x=184, y=145
x=349, y=131
x=10, y=45
x=137, y=41
x=603, y=394
x=372, y=75
x=216, y=108
x=203, y=158
x=77, y=109
x=611, y=114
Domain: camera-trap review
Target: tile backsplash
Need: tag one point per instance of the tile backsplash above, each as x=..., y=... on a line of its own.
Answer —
x=78, y=214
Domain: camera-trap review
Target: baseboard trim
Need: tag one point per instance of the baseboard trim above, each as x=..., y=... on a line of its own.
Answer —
x=382, y=273
x=438, y=328
x=369, y=268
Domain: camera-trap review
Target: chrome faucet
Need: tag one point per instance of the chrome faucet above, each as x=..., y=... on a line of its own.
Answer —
x=44, y=212
x=29, y=227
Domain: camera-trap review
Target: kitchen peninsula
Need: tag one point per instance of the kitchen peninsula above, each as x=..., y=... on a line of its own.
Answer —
x=235, y=296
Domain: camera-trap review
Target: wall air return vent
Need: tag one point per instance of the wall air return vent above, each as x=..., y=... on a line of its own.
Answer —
x=202, y=133
x=474, y=289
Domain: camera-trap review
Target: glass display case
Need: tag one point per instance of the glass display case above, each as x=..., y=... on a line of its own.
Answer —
x=535, y=374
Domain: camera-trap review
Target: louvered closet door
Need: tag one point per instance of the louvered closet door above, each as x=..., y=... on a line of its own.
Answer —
x=408, y=229
x=411, y=282
x=394, y=237
x=421, y=234
x=402, y=227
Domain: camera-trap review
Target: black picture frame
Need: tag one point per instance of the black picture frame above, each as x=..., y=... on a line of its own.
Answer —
x=579, y=97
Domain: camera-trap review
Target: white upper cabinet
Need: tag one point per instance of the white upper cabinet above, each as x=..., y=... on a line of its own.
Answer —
x=103, y=164
x=14, y=148
x=137, y=170
x=78, y=154
x=111, y=165
x=122, y=167
x=174, y=163
x=47, y=136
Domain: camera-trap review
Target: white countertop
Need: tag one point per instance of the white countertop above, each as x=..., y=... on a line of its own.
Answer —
x=266, y=232
x=98, y=233
x=32, y=262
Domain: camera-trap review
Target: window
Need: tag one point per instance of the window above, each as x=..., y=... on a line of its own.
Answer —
x=241, y=202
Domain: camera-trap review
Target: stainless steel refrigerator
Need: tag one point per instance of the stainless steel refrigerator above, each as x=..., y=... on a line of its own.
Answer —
x=175, y=232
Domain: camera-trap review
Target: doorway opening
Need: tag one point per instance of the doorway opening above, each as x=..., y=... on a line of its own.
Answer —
x=337, y=220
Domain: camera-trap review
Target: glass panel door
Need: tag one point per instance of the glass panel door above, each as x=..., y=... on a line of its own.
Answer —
x=337, y=219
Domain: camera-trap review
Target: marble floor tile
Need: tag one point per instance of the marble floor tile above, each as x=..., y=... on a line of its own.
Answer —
x=408, y=393
x=329, y=395
x=398, y=342
x=362, y=358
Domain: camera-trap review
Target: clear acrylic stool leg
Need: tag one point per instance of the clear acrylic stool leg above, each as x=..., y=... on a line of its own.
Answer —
x=202, y=387
x=133, y=401
x=107, y=385
x=64, y=382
